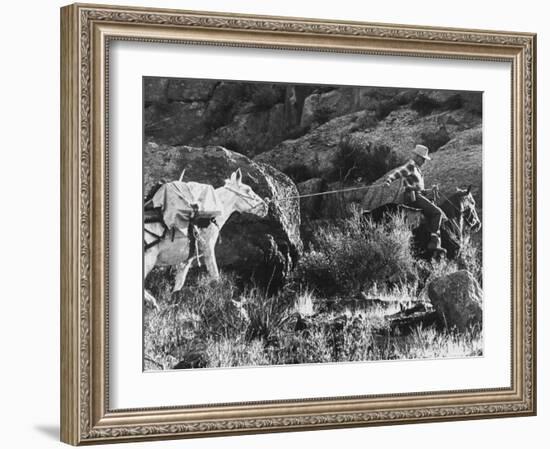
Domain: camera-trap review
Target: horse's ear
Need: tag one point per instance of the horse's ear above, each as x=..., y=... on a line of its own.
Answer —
x=469, y=188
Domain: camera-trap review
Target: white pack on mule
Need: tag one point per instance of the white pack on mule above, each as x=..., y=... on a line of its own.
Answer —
x=181, y=202
x=182, y=222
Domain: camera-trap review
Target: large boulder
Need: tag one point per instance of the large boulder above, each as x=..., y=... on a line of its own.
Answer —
x=263, y=249
x=458, y=298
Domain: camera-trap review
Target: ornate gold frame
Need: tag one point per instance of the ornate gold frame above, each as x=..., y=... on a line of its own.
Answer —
x=86, y=31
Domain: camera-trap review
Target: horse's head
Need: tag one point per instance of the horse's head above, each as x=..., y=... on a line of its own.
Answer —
x=246, y=200
x=466, y=204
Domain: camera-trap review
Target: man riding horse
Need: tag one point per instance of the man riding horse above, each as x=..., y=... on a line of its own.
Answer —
x=414, y=194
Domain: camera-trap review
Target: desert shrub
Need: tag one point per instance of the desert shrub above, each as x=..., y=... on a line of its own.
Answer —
x=358, y=158
x=265, y=314
x=424, y=105
x=314, y=269
x=212, y=302
x=434, y=140
x=349, y=259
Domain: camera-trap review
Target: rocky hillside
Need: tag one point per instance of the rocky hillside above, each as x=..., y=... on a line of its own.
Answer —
x=323, y=137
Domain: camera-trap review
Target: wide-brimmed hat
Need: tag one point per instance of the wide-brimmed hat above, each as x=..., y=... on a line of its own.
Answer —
x=422, y=151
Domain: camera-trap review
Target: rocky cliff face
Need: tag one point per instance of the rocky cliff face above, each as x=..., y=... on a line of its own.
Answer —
x=246, y=117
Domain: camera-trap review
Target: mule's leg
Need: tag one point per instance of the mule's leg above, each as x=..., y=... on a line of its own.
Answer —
x=211, y=266
x=149, y=297
x=181, y=273
x=210, y=259
x=149, y=261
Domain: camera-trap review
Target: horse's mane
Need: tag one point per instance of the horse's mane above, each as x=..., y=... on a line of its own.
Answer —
x=451, y=205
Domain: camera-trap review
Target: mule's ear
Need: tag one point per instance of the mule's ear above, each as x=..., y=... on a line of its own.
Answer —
x=469, y=188
x=238, y=176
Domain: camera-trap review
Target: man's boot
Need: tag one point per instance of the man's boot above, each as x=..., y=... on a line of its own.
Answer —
x=435, y=244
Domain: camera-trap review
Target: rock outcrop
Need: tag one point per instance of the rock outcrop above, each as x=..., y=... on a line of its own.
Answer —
x=458, y=298
x=264, y=249
x=246, y=117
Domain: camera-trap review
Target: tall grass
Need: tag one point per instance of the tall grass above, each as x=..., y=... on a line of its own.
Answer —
x=429, y=343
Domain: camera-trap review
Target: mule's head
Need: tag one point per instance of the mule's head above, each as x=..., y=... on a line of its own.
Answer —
x=246, y=200
x=467, y=206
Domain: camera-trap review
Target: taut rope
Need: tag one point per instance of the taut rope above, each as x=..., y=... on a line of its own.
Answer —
x=330, y=192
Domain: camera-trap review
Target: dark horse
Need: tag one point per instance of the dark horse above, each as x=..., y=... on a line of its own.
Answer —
x=460, y=214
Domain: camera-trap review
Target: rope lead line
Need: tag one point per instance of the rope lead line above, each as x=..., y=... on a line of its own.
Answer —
x=352, y=189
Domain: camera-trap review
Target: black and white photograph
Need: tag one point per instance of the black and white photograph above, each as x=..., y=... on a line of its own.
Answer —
x=298, y=223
